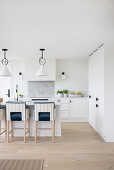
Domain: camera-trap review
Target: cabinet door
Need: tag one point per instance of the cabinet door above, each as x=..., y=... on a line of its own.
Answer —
x=92, y=102
x=79, y=108
x=99, y=75
x=64, y=114
x=91, y=110
x=91, y=76
x=100, y=117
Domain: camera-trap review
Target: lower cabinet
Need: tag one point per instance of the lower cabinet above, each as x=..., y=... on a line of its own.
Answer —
x=79, y=108
x=65, y=109
x=64, y=114
x=75, y=109
x=92, y=116
x=96, y=115
x=100, y=117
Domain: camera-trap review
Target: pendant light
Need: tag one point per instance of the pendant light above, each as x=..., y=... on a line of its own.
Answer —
x=42, y=61
x=4, y=71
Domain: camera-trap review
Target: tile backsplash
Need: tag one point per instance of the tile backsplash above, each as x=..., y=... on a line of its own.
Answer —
x=41, y=88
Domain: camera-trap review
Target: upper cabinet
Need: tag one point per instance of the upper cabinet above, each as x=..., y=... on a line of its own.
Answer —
x=96, y=75
x=32, y=66
x=99, y=75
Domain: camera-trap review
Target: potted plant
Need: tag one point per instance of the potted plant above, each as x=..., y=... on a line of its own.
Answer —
x=65, y=93
x=60, y=93
x=20, y=96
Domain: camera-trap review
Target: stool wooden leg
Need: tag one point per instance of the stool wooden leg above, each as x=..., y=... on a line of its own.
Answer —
x=7, y=131
x=53, y=130
x=12, y=128
x=29, y=127
x=24, y=131
x=5, y=128
x=35, y=131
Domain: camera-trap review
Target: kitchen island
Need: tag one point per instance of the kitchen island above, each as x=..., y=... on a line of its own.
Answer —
x=41, y=124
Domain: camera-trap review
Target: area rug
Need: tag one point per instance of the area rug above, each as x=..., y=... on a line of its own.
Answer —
x=21, y=164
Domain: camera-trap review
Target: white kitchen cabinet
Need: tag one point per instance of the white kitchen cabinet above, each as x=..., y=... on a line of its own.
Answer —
x=65, y=109
x=100, y=116
x=64, y=114
x=79, y=108
x=99, y=75
x=96, y=90
x=92, y=113
x=32, y=66
x=91, y=76
x=74, y=109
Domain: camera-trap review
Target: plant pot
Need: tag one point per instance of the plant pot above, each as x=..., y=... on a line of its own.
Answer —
x=20, y=97
x=60, y=94
x=65, y=94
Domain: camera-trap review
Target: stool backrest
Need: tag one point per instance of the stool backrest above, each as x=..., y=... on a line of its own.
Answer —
x=44, y=107
x=15, y=107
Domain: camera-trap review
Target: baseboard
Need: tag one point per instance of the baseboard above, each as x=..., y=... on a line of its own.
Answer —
x=99, y=132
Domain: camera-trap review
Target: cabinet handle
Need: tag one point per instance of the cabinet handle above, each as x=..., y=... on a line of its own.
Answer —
x=89, y=96
x=97, y=99
x=70, y=101
x=97, y=105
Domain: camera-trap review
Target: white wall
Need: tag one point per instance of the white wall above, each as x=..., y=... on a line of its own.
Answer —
x=10, y=83
x=22, y=84
x=109, y=75
x=109, y=92
x=76, y=71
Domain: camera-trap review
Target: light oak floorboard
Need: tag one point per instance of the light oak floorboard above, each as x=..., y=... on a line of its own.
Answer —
x=79, y=148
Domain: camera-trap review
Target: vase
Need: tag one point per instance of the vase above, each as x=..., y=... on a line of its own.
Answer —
x=60, y=94
x=65, y=95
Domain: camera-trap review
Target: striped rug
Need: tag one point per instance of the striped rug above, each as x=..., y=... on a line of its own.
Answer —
x=21, y=164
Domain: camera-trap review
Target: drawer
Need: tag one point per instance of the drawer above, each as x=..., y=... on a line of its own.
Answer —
x=65, y=101
x=64, y=114
x=65, y=107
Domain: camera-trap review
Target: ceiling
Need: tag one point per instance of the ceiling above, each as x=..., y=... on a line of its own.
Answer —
x=65, y=28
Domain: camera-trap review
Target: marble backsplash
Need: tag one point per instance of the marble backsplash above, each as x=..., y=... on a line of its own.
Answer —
x=41, y=88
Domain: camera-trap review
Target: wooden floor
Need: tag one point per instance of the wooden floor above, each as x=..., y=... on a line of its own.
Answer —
x=79, y=148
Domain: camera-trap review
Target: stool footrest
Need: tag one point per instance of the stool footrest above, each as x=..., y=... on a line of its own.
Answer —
x=27, y=131
x=2, y=132
x=44, y=128
x=19, y=128
x=10, y=131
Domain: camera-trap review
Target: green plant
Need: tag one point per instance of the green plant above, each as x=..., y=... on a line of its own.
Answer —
x=59, y=92
x=20, y=95
x=65, y=91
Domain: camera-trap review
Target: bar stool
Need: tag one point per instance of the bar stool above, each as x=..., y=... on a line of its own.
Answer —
x=17, y=111
x=44, y=111
x=3, y=117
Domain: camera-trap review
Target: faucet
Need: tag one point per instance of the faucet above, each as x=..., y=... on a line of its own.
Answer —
x=17, y=91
